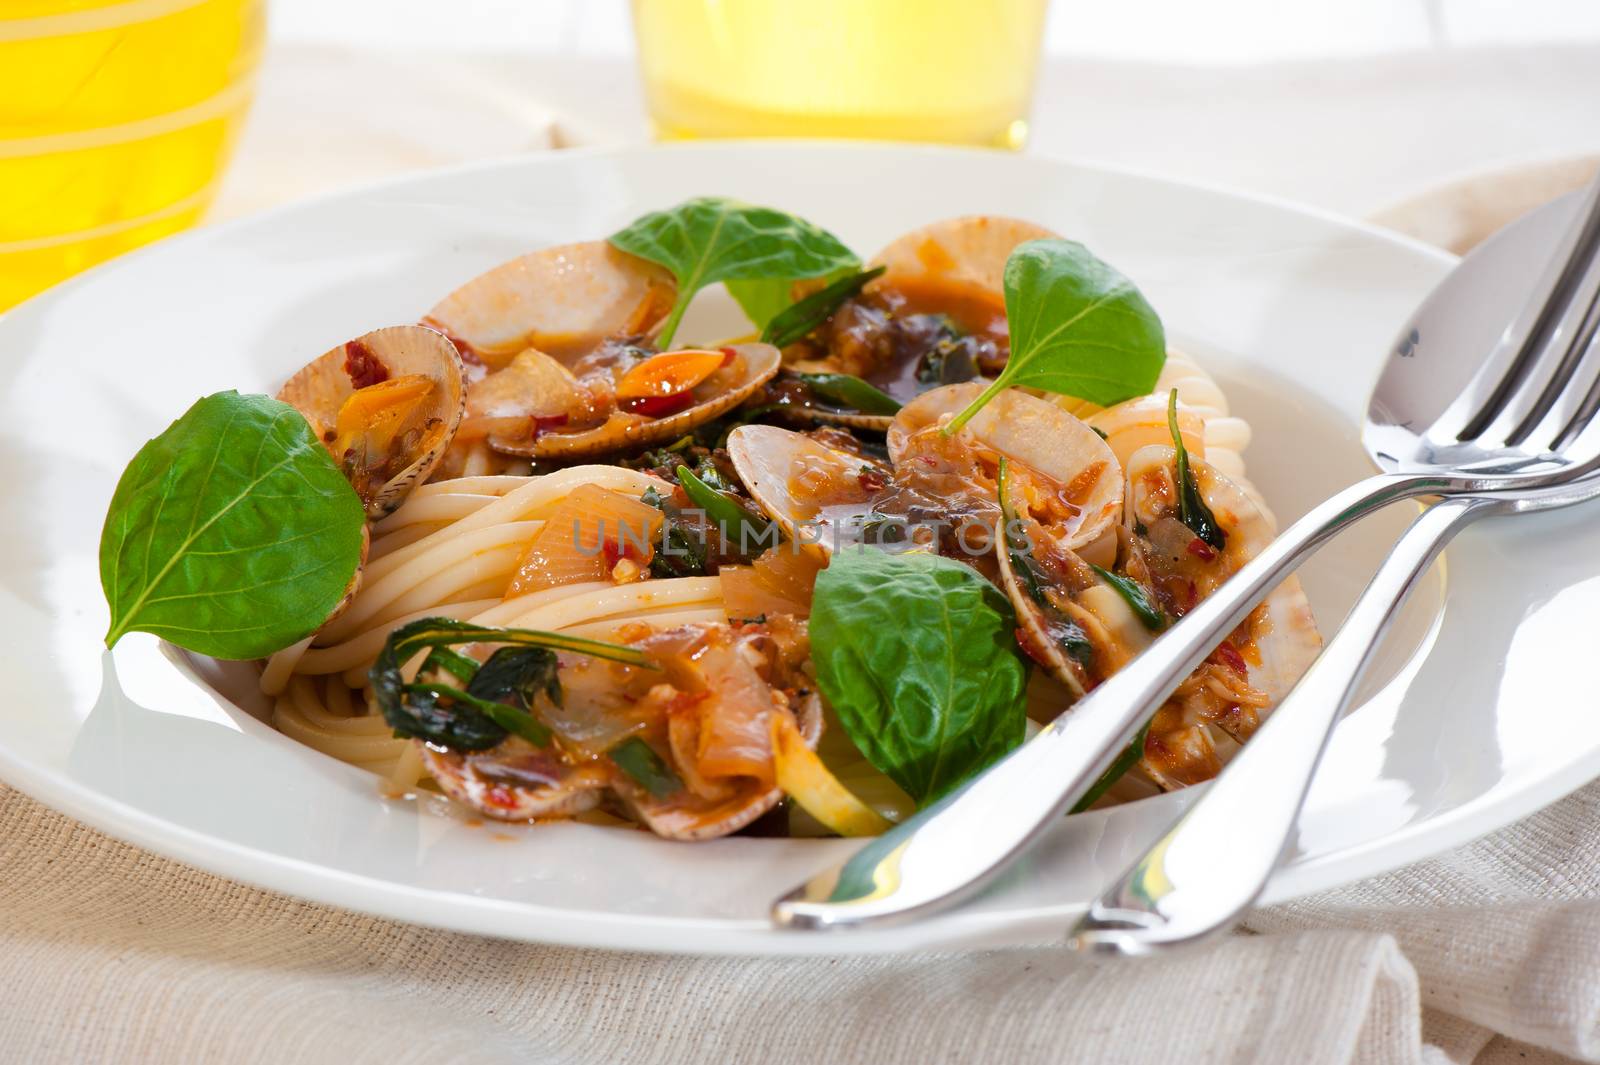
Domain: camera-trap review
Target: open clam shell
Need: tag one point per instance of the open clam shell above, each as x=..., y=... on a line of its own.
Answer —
x=752, y=367
x=673, y=819
x=1281, y=632
x=562, y=301
x=812, y=491
x=1032, y=433
x=970, y=251
x=515, y=784
x=390, y=437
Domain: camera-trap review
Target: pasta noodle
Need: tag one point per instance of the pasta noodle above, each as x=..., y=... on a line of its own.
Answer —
x=451, y=551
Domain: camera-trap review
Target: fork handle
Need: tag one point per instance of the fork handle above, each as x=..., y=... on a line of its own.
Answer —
x=951, y=849
x=1215, y=860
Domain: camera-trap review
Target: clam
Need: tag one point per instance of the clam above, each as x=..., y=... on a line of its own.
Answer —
x=815, y=493
x=687, y=817
x=966, y=254
x=897, y=334
x=1068, y=619
x=386, y=405
x=1216, y=707
x=657, y=400
x=515, y=781
x=562, y=301
x=1036, y=435
x=1282, y=627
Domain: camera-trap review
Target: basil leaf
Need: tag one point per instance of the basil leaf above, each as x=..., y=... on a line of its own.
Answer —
x=1134, y=596
x=515, y=676
x=499, y=693
x=640, y=761
x=232, y=534
x=915, y=654
x=1078, y=327
x=850, y=391
x=1192, y=509
x=743, y=533
x=469, y=709
x=710, y=239
x=801, y=317
x=416, y=713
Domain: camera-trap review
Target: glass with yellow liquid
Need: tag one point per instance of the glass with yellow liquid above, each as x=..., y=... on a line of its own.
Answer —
x=116, y=117
x=957, y=71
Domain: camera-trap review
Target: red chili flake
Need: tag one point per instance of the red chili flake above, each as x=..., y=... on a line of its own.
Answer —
x=500, y=796
x=1025, y=642
x=363, y=367
x=1231, y=658
x=1201, y=550
x=468, y=353
x=658, y=406
x=728, y=355
x=871, y=480
x=613, y=552
x=540, y=422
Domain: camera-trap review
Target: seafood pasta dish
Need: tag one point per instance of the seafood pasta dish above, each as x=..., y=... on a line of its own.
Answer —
x=541, y=552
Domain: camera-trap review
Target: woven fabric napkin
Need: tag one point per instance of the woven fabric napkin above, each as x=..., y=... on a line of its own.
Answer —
x=111, y=954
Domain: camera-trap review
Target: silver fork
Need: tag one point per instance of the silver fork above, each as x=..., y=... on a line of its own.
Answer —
x=1201, y=876
x=1523, y=421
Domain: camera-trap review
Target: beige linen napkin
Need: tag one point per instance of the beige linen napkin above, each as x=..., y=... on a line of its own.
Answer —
x=110, y=954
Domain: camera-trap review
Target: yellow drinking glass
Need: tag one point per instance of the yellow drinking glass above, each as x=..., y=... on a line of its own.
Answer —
x=957, y=71
x=116, y=117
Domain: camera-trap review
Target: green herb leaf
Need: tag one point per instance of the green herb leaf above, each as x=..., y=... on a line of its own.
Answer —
x=232, y=534
x=851, y=392
x=799, y=318
x=499, y=694
x=744, y=534
x=515, y=676
x=640, y=761
x=1078, y=327
x=710, y=239
x=1067, y=634
x=1192, y=509
x=915, y=654
x=683, y=552
x=1133, y=594
x=478, y=717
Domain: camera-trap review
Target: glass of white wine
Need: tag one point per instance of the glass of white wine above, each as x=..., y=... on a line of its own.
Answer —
x=954, y=71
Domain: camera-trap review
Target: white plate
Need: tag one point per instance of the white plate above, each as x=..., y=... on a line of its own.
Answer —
x=1481, y=717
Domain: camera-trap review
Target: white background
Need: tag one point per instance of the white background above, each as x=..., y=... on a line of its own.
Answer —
x=1202, y=32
